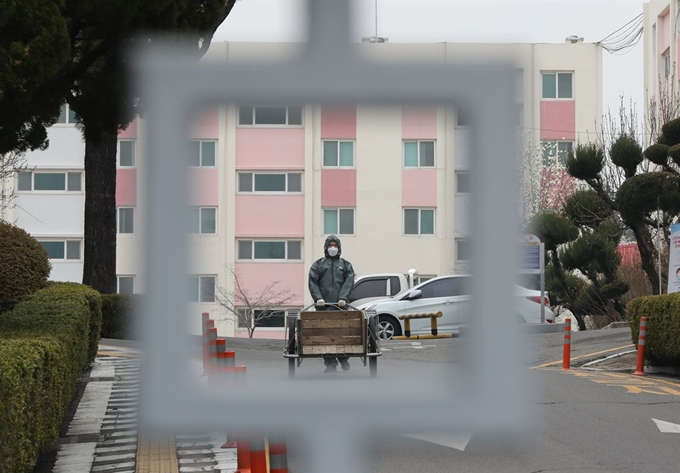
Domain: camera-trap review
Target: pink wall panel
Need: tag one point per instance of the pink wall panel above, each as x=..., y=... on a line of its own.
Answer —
x=419, y=123
x=339, y=122
x=204, y=187
x=130, y=133
x=665, y=30
x=558, y=120
x=206, y=124
x=338, y=187
x=256, y=276
x=260, y=216
x=419, y=188
x=270, y=148
x=126, y=187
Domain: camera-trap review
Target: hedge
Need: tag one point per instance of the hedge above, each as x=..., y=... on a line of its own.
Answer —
x=663, y=327
x=94, y=301
x=44, y=346
x=118, y=312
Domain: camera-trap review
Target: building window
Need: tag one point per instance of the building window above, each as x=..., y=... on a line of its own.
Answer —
x=202, y=154
x=462, y=250
x=126, y=153
x=463, y=182
x=272, y=318
x=558, y=85
x=62, y=249
x=338, y=154
x=126, y=284
x=423, y=278
x=50, y=181
x=265, y=183
x=67, y=116
x=418, y=154
x=203, y=220
x=555, y=152
x=270, y=116
x=202, y=289
x=125, y=220
x=667, y=65
x=418, y=221
x=338, y=221
x=270, y=250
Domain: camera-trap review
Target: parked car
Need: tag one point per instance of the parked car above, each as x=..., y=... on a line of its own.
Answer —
x=452, y=296
x=373, y=287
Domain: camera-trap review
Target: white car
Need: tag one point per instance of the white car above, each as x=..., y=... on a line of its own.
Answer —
x=451, y=296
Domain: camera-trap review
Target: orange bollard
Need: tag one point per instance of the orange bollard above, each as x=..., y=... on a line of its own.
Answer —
x=205, y=320
x=642, y=343
x=258, y=455
x=278, y=455
x=566, y=353
x=242, y=454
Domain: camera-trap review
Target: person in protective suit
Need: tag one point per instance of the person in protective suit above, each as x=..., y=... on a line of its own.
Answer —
x=330, y=280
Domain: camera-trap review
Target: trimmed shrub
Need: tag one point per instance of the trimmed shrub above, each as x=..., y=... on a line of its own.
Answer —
x=663, y=327
x=43, y=349
x=24, y=265
x=119, y=316
x=94, y=301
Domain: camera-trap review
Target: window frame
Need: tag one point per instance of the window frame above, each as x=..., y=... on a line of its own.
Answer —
x=253, y=116
x=420, y=221
x=65, y=242
x=252, y=183
x=65, y=172
x=67, y=115
x=200, y=220
x=127, y=276
x=557, y=85
x=200, y=154
x=337, y=210
x=667, y=64
x=198, y=278
x=134, y=154
x=339, y=166
x=557, y=151
x=458, y=241
x=419, y=166
x=118, y=220
x=457, y=185
x=284, y=309
x=286, y=259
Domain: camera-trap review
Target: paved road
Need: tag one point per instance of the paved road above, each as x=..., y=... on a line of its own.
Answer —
x=585, y=420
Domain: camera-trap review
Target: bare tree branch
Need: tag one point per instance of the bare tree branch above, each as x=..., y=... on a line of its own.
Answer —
x=251, y=309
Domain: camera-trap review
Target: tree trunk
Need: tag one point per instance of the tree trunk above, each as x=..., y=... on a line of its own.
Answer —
x=99, y=268
x=647, y=256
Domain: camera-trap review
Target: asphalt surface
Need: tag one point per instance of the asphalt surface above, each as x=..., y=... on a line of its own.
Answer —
x=596, y=417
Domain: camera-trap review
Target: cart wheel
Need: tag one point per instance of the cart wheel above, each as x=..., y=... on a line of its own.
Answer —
x=291, y=367
x=373, y=346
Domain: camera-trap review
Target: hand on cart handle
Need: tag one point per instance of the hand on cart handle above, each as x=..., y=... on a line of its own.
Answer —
x=342, y=303
x=321, y=303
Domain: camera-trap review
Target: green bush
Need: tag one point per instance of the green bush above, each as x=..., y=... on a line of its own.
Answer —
x=94, y=301
x=663, y=327
x=24, y=265
x=44, y=344
x=118, y=316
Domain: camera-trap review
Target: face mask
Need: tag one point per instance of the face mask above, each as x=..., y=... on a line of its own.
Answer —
x=332, y=251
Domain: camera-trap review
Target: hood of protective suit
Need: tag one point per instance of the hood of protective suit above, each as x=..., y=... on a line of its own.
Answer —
x=330, y=239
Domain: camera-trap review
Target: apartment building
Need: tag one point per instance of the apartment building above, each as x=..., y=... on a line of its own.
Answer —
x=270, y=183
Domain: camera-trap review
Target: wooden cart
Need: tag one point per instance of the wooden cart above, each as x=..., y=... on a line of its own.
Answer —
x=337, y=332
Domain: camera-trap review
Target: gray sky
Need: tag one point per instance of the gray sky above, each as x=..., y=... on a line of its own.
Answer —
x=545, y=21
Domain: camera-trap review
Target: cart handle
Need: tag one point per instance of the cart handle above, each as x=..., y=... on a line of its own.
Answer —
x=333, y=304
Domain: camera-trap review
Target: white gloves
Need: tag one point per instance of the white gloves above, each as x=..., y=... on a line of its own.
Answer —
x=321, y=303
x=342, y=303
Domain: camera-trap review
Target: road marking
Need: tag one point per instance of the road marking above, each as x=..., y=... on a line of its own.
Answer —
x=458, y=440
x=413, y=345
x=667, y=427
x=556, y=363
x=632, y=384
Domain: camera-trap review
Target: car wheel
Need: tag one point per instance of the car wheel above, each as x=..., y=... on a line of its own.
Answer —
x=388, y=327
